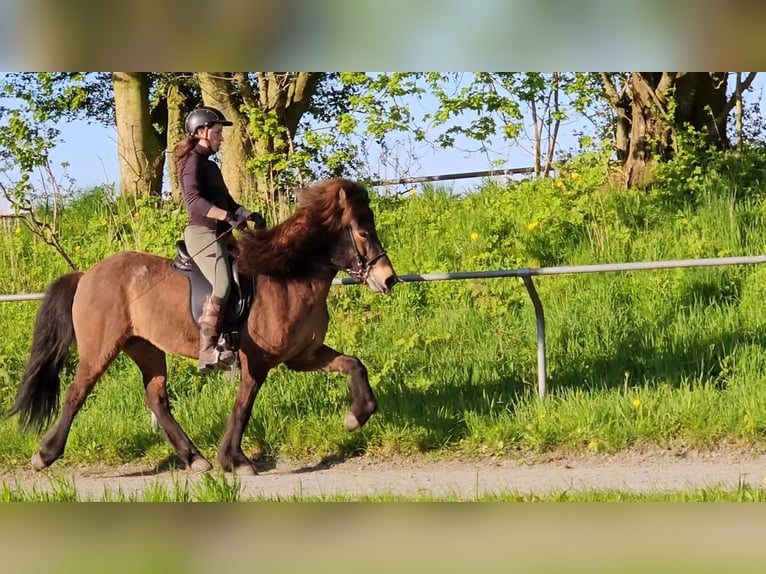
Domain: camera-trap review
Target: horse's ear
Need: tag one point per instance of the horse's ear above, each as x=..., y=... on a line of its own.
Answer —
x=342, y=198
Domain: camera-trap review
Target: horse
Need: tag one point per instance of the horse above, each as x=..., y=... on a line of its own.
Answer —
x=132, y=302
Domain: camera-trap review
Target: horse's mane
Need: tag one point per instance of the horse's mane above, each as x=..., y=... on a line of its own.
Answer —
x=290, y=248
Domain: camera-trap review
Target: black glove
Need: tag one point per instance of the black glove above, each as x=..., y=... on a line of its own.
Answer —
x=258, y=220
x=236, y=222
x=239, y=219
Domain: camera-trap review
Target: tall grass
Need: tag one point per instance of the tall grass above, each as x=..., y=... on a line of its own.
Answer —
x=671, y=358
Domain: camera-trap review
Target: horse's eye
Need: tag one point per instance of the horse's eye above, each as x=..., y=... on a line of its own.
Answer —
x=364, y=234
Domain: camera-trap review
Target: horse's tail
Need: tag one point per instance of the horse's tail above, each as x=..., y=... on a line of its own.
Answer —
x=37, y=399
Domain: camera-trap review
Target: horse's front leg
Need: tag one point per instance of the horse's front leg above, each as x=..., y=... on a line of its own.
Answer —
x=363, y=403
x=230, y=455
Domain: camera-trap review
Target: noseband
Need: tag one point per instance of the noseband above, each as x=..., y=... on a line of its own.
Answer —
x=361, y=270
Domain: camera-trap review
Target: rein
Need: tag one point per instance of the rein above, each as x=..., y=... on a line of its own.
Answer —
x=170, y=269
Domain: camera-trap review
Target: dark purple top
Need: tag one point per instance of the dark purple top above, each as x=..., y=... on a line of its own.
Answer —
x=202, y=187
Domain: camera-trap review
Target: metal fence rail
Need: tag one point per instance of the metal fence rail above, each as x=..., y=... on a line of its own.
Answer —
x=21, y=297
x=526, y=275
x=453, y=176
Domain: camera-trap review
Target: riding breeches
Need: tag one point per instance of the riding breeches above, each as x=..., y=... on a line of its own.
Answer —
x=211, y=258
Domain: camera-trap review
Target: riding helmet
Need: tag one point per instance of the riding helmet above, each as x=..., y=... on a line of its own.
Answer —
x=204, y=117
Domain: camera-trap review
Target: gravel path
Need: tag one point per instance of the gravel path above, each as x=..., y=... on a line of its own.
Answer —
x=626, y=471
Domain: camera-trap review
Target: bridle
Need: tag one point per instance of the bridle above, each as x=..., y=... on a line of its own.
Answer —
x=361, y=270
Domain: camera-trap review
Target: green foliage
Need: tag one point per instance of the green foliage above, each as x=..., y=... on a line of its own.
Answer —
x=34, y=102
x=696, y=168
x=482, y=107
x=667, y=358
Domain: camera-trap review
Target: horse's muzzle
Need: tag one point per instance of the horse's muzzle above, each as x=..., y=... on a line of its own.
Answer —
x=391, y=281
x=382, y=277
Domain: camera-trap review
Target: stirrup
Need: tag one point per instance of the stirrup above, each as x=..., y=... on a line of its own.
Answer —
x=226, y=351
x=225, y=358
x=205, y=366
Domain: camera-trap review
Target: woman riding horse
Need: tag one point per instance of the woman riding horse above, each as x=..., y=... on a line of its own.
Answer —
x=133, y=302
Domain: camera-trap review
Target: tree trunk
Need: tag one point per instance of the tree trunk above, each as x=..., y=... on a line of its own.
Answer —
x=276, y=95
x=285, y=96
x=177, y=110
x=139, y=150
x=656, y=105
x=616, y=95
x=219, y=91
x=651, y=124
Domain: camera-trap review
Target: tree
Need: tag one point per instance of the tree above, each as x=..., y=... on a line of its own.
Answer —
x=262, y=152
x=43, y=100
x=479, y=108
x=266, y=109
x=652, y=108
x=138, y=145
x=32, y=106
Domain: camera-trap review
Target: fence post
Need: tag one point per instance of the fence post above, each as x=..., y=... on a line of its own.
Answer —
x=540, y=315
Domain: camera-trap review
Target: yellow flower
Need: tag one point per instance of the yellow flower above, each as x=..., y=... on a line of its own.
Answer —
x=636, y=402
x=103, y=222
x=532, y=225
x=569, y=193
x=413, y=191
x=474, y=236
x=18, y=231
x=76, y=247
x=575, y=175
x=559, y=183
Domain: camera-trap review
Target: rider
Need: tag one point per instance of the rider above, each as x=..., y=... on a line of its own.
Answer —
x=213, y=213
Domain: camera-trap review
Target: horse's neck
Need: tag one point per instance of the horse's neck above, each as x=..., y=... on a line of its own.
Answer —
x=319, y=286
x=309, y=290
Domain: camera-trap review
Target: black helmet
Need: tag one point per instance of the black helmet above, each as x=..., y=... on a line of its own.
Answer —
x=204, y=117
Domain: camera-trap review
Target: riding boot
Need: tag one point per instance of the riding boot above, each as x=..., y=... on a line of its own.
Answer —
x=208, y=334
x=211, y=354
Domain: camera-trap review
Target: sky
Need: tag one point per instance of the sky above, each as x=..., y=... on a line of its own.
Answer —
x=90, y=149
x=91, y=152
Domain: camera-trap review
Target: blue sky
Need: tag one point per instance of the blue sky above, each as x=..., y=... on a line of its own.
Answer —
x=91, y=152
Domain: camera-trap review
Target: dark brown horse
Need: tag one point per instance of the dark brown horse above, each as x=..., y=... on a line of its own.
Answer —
x=131, y=302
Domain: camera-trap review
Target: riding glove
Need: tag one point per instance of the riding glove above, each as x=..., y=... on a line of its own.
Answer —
x=239, y=219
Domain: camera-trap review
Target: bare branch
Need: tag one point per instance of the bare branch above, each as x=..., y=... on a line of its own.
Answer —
x=27, y=213
x=737, y=95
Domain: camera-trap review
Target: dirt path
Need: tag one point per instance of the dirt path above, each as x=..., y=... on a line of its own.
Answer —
x=626, y=471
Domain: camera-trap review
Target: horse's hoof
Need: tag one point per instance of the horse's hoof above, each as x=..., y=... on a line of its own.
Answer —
x=351, y=423
x=200, y=464
x=38, y=463
x=244, y=470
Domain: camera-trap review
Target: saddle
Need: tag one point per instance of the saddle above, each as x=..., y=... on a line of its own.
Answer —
x=237, y=304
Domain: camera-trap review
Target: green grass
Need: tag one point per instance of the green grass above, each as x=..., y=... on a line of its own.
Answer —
x=218, y=487
x=673, y=358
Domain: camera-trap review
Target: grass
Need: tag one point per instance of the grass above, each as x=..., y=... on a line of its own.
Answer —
x=218, y=487
x=672, y=358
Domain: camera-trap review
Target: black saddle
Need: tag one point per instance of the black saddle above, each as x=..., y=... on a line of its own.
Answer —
x=237, y=304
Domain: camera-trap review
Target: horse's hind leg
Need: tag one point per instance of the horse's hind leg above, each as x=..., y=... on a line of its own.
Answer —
x=151, y=362
x=53, y=443
x=363, y=403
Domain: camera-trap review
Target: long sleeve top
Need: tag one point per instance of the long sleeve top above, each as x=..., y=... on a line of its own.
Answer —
x=202, y=186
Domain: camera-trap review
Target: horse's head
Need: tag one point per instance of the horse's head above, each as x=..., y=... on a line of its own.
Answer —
x=358, y=250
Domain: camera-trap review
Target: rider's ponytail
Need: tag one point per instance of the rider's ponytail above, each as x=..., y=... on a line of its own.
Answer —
x=181, y=152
